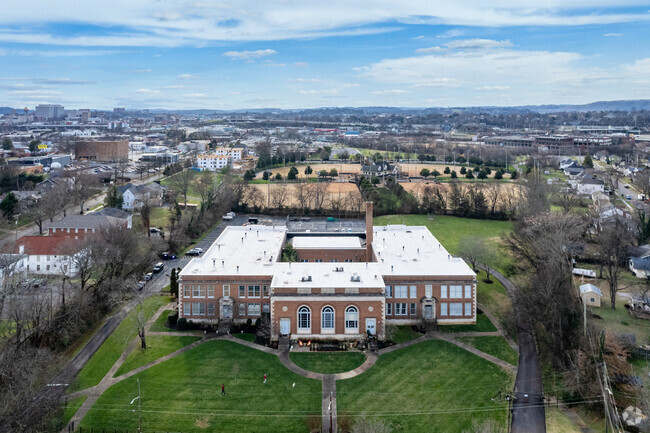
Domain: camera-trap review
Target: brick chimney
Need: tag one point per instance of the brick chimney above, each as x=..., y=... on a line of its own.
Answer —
x=369, y=228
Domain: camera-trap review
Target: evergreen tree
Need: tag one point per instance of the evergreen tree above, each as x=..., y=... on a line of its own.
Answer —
x=308, y=170
x=8, y=205
x=498, y=175
x=514, y=174
x=173, y=283
x=113, y=198
x=470, y=175
x=453, y=174
x=447, y=171
x=588, y=162
x=7, y=144
x=463, y=170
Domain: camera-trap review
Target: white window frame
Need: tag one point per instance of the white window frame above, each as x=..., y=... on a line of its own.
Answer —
x=468, y=292
x=401, y=309
x=389, y=309
x=242, y=309
x=413, y=291
x=254, y=291
x=304, y=320
x=226, y=290
x=389, y=291
x=456, y=309
x=468, y=309
x=266, y=308
x=352, y=319
x=198, y=309
x=428, y=290
x=211, y=291
x=211, y=309
x=327, y=319
x=242, y=291
x=187, y=309
x=254, y=309
x=401, y=291
x=443, y=309
x=443, y=292
x=413, y=309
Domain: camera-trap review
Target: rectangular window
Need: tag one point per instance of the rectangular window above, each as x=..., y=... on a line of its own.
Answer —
x=210, y=291
x=253, y=291
x=198, y=309
x=265, y=291
x=413, y=290
x=468, y=292
x=254, y=309
x=242, y=309
x=48, y=267
x=443, y=308
x=226, y=290
x=186, y=290
x=400, y=309
x=242, y=291
x=401, y=291
x=428, y=291
x=389, y=291
x=186, y=309
x=455, y=291
x=266, y=308
x=443, y=292
x=38, y=267
x=413, y=309
x=455, y=309
x=210, y=309
x=468, y=309
x=318, y=261
x=198, y=291
x=389, y=309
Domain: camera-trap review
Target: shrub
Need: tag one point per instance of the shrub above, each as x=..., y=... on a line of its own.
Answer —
x=172, y=319
x=257, y=322
x=182, y=323
x=249, y=323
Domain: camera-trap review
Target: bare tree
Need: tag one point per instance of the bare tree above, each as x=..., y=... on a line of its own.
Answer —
x=37, y=214
x=279, y=196
x=254, y=198
x=140, y=321
x=301, y=193
x=642, y=182
x=613, y=243
x=181, y=183
x=566, y=199
x=206, y=187
x=612, y=176
x=318, y=194
x=145, y=216
x=471, y=248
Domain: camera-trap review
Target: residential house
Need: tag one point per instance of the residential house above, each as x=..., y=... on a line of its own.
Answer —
x=591, y=295
x=47, y=255
x=80, y=226
x=587, y=184
x=380, y=169
x=566, y=163
x=135, y=195
x=639, y=261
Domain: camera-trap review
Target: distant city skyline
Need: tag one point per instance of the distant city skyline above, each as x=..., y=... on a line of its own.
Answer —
x=252, y=54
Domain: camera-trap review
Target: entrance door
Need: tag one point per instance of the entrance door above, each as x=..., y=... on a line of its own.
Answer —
x=285, y=326
x=226, y=311
x=371, y=326
x=428, y=311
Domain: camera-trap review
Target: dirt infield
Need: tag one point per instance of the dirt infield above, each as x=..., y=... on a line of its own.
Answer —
x=506, y=194
x=341, y=168
x=414, y=169
x=336, y=196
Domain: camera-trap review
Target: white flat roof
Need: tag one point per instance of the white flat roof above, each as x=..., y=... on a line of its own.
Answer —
x=325, y=275
x=327, y=242
x=412, y=250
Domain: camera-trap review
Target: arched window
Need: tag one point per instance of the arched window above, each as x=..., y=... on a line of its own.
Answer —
x=327, y=318
x=304, y=318
x=351, y=318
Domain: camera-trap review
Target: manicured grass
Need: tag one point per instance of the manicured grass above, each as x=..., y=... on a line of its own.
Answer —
x=495, y=346
x=67, y=411
x=403, y=334
x=157, y=347
x=184, y=394
x=483, y=324
x=102, y=361
x=432, y=386
x=493, y=297
x=448, y=229
x=245, y=336
x=328, y=362
x=159, y=324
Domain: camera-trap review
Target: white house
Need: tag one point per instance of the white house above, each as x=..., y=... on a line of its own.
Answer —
x=213, y=162
x=135, y=195
x=47, y=255
x=589, y=185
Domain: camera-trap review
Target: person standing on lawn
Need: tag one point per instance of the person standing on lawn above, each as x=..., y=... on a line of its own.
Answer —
x=223, y=389
x=264, y=378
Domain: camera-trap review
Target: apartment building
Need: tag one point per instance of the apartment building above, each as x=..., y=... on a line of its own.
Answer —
x=213, y=162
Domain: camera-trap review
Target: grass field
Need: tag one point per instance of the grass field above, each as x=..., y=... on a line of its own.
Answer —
x=159, y=324
x=558, y=422
x=246, y=336
x=66, y=412
x=449, y=230
x=621, y=322
x=495, y=346
x=328, y=362
x=493, y=297
x=157, y=347
x=102, y=361
x=403, y=334
x=430, y=386
x=483, y=324
x=184, y=394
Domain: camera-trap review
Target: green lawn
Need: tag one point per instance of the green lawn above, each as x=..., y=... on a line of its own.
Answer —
x=448, y=229
x=404, y=333
x=190, y=191
x=621, y=322
x=102, y=361
x=493, y=297
x=184, y=394
x=159, y=324
x=328, y=362
x=159, y=217
x=432, y=386
x=63, y=416
x=157, y=347
x=495, y=346
x=483, y=324
x=246, y=336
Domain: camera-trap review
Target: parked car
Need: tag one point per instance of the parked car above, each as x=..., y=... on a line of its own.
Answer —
x=148, y=276
x=153, y=230
x=141, y=285
x=159, y=267
x=629, y=197
x=168, y=256
x=195, y=252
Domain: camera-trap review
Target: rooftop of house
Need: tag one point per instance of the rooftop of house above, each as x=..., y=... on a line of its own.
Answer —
x=93, y=220
x=46, y=245
x=327, y=242
x=327, y=275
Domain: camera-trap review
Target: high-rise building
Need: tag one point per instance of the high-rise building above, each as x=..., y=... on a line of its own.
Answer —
x=50, y=111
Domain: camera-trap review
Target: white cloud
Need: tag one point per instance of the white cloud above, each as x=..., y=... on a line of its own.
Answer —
x=196, y=95
x=180, y=23
x=389, y=92
x=418, y=37
x=187, y=77
x=148, y=91
x=453, y=33
x=234, y=93
x=246, y=55
x=140, y=71
x=304, y=80
x=492, y=88
x=35, y=94
x=300, y=64
x=173, y=86
x=477, y=44
x=429, y=50
x=609, y=35
x=319, y=92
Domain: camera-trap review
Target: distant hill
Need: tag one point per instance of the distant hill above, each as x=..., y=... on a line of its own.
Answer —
x=6, y=110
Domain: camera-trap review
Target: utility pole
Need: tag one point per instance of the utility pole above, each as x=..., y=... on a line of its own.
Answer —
x=139, y=407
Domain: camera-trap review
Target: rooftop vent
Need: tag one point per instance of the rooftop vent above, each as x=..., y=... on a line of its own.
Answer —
x=391, y=268
x=355, y=278
x=237, y=268
x=214, y=262
x=306, y=279
x=338, y=269
x=223, y=263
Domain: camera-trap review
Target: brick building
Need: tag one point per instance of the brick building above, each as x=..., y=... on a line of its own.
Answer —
x=345, y=284
x=105, y=151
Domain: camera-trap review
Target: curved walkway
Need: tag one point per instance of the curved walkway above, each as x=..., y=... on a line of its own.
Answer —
x=328, y=407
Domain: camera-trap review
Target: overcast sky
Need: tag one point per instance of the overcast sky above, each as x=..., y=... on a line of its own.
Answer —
x=299, y=54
